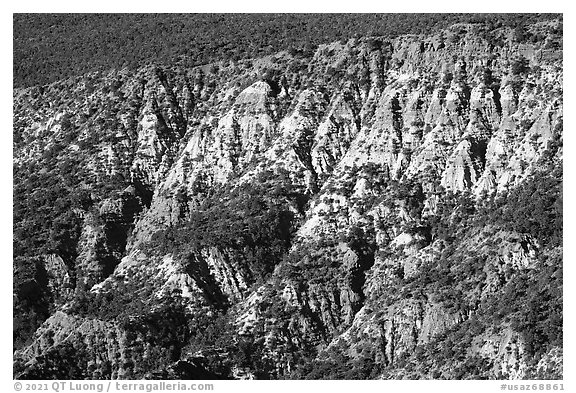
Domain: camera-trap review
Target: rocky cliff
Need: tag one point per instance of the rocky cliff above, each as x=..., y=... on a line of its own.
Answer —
x=383, y=209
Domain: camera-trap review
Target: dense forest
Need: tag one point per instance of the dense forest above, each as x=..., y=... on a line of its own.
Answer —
x=50, y=47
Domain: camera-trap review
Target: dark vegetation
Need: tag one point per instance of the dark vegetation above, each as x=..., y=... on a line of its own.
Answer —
x=156, y=336
x=49, y=47
x=44, y=223
x=529, y=300
x=255, y=221
x=51, y=197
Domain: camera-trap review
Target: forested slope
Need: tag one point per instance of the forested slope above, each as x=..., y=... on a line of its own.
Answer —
x=380, y=208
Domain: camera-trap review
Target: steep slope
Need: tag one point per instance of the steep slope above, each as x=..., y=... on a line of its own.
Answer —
x=344, y=215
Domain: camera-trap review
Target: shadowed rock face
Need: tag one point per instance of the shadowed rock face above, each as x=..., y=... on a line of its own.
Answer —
x=371, y=154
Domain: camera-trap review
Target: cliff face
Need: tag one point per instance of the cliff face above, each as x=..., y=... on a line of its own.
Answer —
x=314, y=212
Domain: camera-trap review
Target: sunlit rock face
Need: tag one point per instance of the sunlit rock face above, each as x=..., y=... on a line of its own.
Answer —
x=369, y=144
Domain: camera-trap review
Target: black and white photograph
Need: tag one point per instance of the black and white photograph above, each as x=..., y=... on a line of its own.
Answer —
x=287, y=196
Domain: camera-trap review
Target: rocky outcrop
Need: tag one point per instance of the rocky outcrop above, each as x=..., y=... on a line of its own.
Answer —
x=60, y=282
x=104, y=237
x=375, y=141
